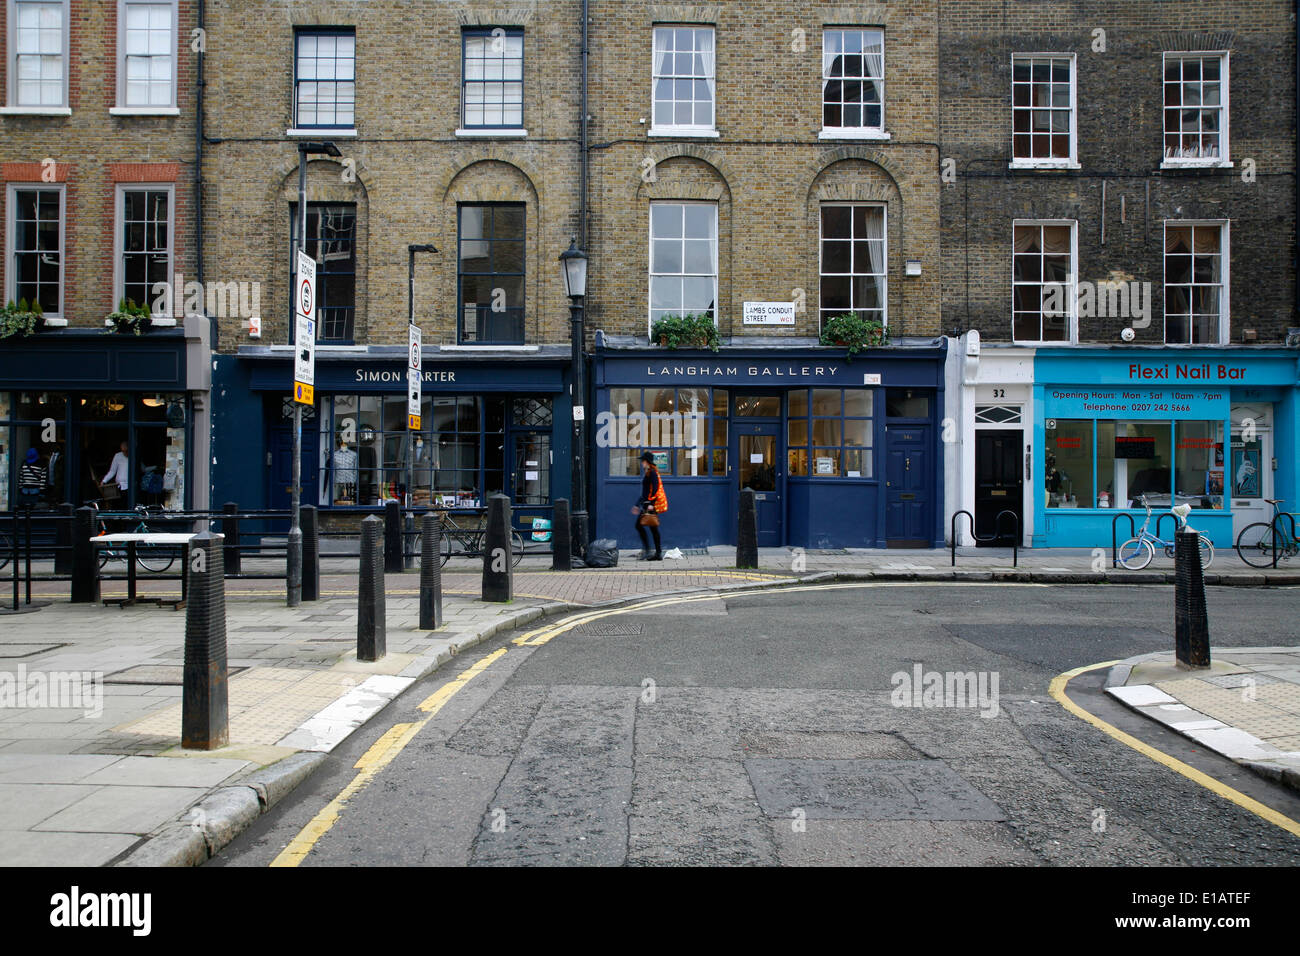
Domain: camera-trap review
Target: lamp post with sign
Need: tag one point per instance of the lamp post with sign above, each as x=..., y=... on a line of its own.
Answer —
x=414, y=375
x=302, y=334
x=574, y=261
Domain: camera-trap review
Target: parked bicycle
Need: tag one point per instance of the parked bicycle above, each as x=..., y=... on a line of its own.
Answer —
x=469, y=539
x=6, y=549
x=1256, y=544
x=1136, y=553
x=152, y=557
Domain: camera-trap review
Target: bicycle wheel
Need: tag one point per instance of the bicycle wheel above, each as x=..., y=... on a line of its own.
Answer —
x=1207, y=552
x=105, y=555
x=6, y=546
x=154, y=557
x=444, y=547
x=1255, y=545
x=517, y=546
x=1136, y=553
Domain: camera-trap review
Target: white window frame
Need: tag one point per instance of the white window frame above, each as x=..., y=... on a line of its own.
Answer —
x=1071, y=284
x=821, y=271
x=122, y=109
x=675, y=129
x=11, y=271
x=1225, y=236
x=119, y=252
x=650, y=273
x=333, y=132
x=1225, y=158
x=11, y=107
x=1048, y=163
x=853, y=132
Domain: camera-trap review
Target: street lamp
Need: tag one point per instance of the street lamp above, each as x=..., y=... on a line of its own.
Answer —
x=293, y=558
x=574, y=262
x=411, y=250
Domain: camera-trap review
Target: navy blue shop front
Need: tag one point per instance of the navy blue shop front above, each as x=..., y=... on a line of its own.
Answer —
x=839, y=454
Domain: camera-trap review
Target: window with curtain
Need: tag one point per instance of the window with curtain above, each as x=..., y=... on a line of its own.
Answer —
x=37, y=73
x=853, y=261
x=1196, y=107
x=683, y=78
x=325, y=79
x=1042, y=290
x=683, y=260
x=1195, y=290
x=146, y=248
x=492, y=79
x=853, y=79
x=147, y=57
x=1042, y=109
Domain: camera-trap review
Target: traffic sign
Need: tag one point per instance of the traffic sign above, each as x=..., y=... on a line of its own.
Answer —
x=414, y=378
x=304, y=353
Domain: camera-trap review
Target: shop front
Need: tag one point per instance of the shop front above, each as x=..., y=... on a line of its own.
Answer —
x=105, y=418
x=839, y=454
x=1215, y=429
x=488, y=426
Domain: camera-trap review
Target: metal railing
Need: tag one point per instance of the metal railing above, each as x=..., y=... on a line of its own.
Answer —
x=998, y=534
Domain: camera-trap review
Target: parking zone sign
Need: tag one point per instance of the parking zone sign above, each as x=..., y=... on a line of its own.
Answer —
x=304, y=309
x=413, y=379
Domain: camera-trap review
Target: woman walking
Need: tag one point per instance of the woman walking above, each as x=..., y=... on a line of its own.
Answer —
x=652, y=503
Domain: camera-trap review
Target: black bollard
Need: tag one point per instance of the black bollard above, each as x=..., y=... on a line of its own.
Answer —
x=392, y=537
x=430, y=573
x=230, y=532
x=747, y=532
x=310, y=519
x=371, y=616
x=561, y=537
x=85, y=562
x=498, y=575
x=63, y=539
x=205, y=700
x=1191, y=624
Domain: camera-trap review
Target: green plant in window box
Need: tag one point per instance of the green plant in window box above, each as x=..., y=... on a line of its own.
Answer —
x=21, y=319
x=130, y=318
x=853, y=332
x=685, y=332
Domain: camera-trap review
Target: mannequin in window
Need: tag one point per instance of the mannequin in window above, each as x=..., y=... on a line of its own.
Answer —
x=345, y=473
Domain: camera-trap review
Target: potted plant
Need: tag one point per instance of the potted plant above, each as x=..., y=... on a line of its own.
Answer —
x=685, y=332
x=21, y=319
x=130, y=317
x=853, y=332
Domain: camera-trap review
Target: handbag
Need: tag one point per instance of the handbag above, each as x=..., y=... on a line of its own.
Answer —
x=648, y=518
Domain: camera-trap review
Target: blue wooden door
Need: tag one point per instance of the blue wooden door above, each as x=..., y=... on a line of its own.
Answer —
x=909, y=486
x=758, y=466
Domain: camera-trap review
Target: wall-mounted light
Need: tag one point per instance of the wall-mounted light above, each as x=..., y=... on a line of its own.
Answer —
x=153, y=401
x=912, y=267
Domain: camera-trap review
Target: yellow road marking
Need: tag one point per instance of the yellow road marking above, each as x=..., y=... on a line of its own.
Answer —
x=1057, y=690
x=380, y=754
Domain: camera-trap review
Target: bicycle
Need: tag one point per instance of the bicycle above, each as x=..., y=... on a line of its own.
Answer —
x=470, y=540
x=151, y=557
x=1255, y=544
x=6, y=549
x=1136, y=553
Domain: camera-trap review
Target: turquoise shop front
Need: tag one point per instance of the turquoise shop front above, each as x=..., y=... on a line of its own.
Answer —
x=1214, y=428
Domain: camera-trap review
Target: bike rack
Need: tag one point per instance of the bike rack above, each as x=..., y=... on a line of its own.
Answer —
x=996, y=536
x=1114, y=539
x=1277, y=531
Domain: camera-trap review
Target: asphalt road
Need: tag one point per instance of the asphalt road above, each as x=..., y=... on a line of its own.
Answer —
x=763, y=729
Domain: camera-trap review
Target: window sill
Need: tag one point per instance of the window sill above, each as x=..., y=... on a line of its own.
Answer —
x=35, y=111
x=683, y=131
x=325, y=132
x=487, y=348
x=55, y=323
x=495, y=132
x=1043, y=164
x=1196, y=164
x=144, y=111
x=156, y=322
x=841, y=133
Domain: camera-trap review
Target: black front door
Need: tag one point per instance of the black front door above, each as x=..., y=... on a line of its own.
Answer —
x=999, y=484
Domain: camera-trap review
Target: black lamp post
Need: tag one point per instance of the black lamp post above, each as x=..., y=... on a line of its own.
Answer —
x=574, y=261
x=293, y=549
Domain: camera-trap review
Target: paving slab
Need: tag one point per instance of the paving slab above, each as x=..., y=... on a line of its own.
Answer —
x=120, y=809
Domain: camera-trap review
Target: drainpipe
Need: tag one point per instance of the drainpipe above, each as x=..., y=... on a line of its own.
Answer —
x=582, y=171
x=198, y=162
x=199, y=371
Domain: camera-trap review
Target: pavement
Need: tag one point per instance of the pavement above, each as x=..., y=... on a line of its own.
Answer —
x=91, y=768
